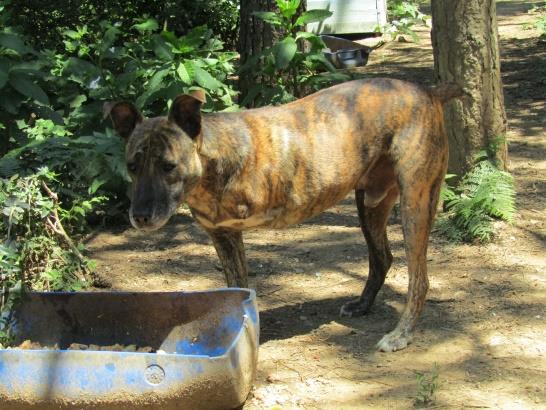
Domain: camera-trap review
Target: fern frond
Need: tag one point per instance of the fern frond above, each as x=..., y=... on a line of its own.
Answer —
x=485, y=193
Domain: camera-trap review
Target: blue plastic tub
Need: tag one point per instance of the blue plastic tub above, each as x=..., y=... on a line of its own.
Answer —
x=205, y=350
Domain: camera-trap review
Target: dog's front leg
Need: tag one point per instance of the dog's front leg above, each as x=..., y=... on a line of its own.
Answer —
x=230, y=249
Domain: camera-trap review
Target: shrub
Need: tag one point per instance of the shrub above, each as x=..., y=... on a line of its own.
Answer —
x=45, y=22
x=60, y=166
x=22, y=83
x=150, y=71
x=56, y=103
x=37, y=253
x=85, y=167
x=295, y=64
x=402, y=16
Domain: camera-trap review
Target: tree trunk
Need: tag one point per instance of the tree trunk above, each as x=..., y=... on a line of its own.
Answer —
x=4, y=143
x=254, y=36
x=466, y=51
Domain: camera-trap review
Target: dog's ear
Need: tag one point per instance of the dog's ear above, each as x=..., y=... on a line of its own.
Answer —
x=186, y=112
x=125, y=117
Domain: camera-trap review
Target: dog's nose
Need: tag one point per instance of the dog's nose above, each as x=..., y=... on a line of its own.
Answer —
x=142, y=218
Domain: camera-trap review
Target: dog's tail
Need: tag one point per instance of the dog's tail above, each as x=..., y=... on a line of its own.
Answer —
x=447, y=91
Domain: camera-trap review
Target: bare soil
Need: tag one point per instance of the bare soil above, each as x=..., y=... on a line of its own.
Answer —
x=484, y=323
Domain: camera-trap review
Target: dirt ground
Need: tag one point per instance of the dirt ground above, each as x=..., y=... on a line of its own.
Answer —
x=484, y=322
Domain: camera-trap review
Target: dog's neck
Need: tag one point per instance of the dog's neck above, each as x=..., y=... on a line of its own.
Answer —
x=217, y=142
x=222, y=149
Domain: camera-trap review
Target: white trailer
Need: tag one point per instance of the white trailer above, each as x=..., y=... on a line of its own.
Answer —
x=349, y=16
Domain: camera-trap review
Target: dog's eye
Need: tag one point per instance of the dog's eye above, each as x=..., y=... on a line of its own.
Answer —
x=132, y=167
x=168, y=167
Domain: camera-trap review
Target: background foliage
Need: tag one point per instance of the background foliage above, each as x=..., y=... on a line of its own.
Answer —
x=46, y=21
x=61, y=166
x=294, y=65
x=402, y=16
x=540, y=20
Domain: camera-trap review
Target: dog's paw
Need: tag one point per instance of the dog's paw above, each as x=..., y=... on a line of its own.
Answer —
x=393, y=341
x=354, y=308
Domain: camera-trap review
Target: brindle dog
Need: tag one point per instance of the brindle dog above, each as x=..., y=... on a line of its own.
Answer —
x=277, y=166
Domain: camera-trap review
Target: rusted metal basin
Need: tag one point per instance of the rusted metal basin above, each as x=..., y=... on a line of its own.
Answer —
x=205, y=343
x=344, y=53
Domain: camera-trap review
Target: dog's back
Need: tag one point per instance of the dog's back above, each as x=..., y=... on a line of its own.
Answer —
x=281, y=165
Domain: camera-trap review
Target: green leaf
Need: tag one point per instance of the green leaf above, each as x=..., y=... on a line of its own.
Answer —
x=189, y=43
x=154, y=85
x=269, y=17
x=9, y=166
x=183, y=74
x=81, y=71
x=96, y=184
x=29, y=67
x=170, y=37
x=109, y=38
x=14, y=42
x=157, y=78
x=304, y=34
x=148, y=25
x=312, y=16
x=78, y=101
x=3, y=75
x=295, y=3
x=161, y=48
x=284, y=52
x=11, y=100
x=226, y=99
x=24, y=85
x=288, y=7
x=204, y=79
x=321, y=58
x=78, y=210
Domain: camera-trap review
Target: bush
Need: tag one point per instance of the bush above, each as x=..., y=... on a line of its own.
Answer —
x=295, y=64
x=32, y=221
x=22, y=81
x=60, y=166
x=150, y=71
x=37, y=252
x=45, y=22
x=402, y=16
x=52, y=96
x=87, y=166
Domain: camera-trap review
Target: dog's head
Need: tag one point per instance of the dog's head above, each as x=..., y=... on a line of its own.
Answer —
x=161, y=155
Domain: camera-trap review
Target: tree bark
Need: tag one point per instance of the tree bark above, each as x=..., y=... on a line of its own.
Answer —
x=4, y=143
x=254, y=36
x=466, y=51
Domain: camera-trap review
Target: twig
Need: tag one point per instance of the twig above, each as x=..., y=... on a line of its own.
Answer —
x=270, y=292
x=289, y=368
x=54, y=223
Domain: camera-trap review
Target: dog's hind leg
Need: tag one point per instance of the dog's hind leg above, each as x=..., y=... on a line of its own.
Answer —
x=230, y=249
x=373, y=222
x=418, y=200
